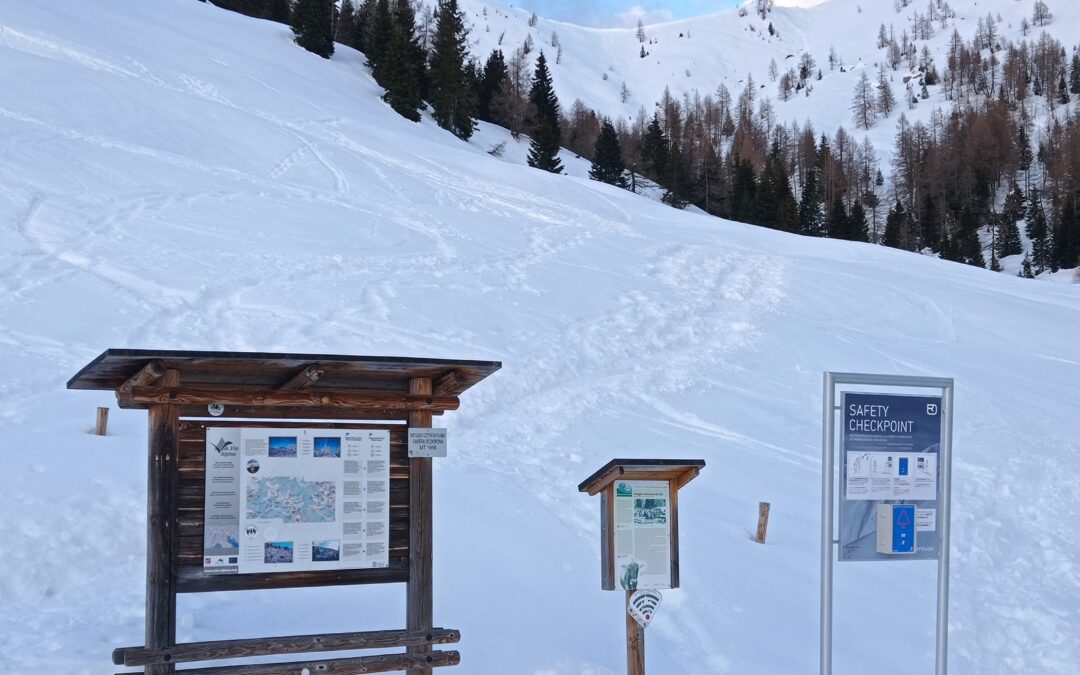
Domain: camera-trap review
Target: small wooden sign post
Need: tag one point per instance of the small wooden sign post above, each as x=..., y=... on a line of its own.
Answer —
x=202, y=409
x=639, y=536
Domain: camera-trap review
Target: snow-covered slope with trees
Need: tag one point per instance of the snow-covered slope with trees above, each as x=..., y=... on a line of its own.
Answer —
x=176, y=176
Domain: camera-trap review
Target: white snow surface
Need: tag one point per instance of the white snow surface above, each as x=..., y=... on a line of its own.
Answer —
x=174, y=176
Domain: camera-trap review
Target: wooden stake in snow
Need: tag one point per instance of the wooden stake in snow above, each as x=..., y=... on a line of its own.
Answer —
x=762, y=521
x=102, y=421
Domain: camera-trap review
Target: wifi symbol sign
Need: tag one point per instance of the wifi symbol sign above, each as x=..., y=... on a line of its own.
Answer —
x=642, y=606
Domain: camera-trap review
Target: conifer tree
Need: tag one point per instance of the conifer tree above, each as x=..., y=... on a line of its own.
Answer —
x=1026, y=269
x=491, y=80
x=1007, y=240
x=346, y=24
x=312, y=24
x=654, y=149
x=395, y=56
x=607, y=164
x=894, y=226
x=279, y=10
x=451, y=98
x=743, y=191
x=1074, y=75
x=673, y=179
x=776, y=206
x=1038, y=232
x=837, y=226
x=545, y=130
x=857, y=226
x=1063, y=90
x=380, y=25
x=1067, y=236
x=810, y=215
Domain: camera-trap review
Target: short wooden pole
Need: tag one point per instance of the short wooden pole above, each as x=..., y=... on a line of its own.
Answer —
x=635, y=643
x=762, y=521
x=102, y=421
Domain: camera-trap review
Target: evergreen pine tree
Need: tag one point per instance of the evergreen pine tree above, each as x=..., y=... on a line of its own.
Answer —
x=810, y=216
x=967, y=245
x=451, y=97
x=1063, y=90
x=837, y=226
x=495, y=73
x=776, y=206
x=545, y=130
x=1008, y=235
x=709, y=190
x=1067, y=236
x=380, y=25
x=857, y=225
x=396, y=57
x=674, y=187
x=607, y=164
x=743, y=191
x=894, y=226
x=1026, y=269
x=346, y=24
x=279, y=10
x=312, y=24
x=1038, y=232
x=1074, y=74
x=654, y=149
x=929, y=228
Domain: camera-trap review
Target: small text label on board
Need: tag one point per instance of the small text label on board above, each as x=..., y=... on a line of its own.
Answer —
x=427, y=442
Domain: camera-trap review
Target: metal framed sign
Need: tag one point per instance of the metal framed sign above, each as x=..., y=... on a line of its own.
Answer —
x=895, y=459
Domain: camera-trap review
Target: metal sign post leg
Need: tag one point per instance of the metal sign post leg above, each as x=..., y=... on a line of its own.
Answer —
x=827, y=526
x=941, y=664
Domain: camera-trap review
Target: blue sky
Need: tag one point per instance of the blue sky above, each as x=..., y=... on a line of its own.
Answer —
x=621, y=12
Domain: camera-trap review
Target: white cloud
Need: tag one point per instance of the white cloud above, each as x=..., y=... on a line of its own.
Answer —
x=630, y=17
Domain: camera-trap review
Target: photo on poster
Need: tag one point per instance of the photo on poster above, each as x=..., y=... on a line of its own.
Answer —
x=253, y=466
x=277, y=552
x=283, y=446
x=650, y=511
x=326, y=550
x=327, y=446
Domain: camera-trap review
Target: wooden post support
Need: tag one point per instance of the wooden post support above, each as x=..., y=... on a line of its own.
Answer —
x=419, y=611
x=161, y=535
x=102, y=424
x=635, y=643
x=762, y=521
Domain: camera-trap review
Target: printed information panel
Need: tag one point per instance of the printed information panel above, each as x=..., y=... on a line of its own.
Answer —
x=290, y=500
x=889, y=449
x=643, y=534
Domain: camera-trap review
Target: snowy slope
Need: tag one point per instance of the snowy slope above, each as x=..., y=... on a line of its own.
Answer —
x=177, y=176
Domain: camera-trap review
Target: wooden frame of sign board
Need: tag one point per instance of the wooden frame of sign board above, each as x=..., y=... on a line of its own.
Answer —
x=277, y=390
x=677, y=472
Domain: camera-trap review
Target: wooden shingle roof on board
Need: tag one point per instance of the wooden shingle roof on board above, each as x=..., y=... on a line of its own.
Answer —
x=281, y=372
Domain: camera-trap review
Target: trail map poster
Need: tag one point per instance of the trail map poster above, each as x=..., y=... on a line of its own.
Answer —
x=889, y=451
x=643, y=534
x=290, y=500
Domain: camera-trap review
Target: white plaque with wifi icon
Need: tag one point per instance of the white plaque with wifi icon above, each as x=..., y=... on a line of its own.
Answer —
x=642, y=606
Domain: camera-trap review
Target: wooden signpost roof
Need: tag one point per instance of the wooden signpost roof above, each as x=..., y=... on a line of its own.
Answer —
x=259, y=370
x=682, y=471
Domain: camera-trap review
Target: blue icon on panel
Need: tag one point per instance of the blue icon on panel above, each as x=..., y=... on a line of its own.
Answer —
x=903, y=528
x=903, y=466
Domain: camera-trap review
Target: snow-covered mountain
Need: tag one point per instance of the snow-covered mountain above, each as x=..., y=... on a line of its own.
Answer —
x=701, y=54
x=176, y=176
